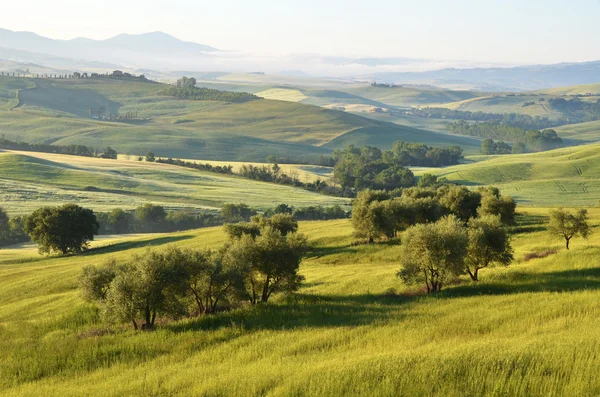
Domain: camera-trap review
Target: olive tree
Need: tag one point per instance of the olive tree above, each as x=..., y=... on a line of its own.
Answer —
x=564, y=224
x=489, y=245
x=271, y=262
x=433, y=253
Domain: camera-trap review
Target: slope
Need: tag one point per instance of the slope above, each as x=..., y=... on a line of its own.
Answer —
x=569, y=176
x=530, y=329
x=31, y=180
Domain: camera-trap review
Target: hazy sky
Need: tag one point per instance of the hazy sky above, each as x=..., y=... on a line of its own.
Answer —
x=503, y=31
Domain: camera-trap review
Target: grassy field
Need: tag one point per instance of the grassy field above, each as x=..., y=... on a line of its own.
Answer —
x=581, y=132
x=30, y=180
x=569, y=176
x=353, y=329
x=57, y=112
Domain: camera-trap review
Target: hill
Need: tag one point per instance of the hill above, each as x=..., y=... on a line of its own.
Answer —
x=57, y=111
x=31, y=180
x=568, y=177
x=353, y=329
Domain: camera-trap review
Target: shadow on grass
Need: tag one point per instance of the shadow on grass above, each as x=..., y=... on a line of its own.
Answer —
x=519, y=282
x=300, y=311
x=136, y=244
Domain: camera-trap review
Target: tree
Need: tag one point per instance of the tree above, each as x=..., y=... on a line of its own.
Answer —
x=487, y=146
x=460, y=201
x=237, y=230
x=65, y=229
x=564, y=224
x=150, y=217
x=4, y=225
x=427, y=180
x=109, y=153
x=271, y=262
x=237, y=212
x=433, y=253
x=492, y=203
x=150, y=157
x=121, y=222
x=211, y=280
x=489, y=244
x=147, y=287
x=284, y=223
x=363, y=218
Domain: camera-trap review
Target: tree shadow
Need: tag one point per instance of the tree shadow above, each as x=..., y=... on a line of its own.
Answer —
x=301, y=311
x=520, y=282
x=126, y=245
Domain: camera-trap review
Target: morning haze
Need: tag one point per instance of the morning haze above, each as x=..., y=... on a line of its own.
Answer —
x=299, y=198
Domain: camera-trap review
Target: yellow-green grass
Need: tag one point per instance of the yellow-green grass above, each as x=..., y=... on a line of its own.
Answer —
x=527, y=330
x=30, y=180
x=412, y=96
x=583, y=89
x=304, y=172
x=569, y=176
x=282, y=94
x=507, y=104
x=586, y=132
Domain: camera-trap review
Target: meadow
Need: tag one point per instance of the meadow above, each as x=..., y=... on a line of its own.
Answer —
x=353, y=328
x=57, y=111
x=30, y=180
x=568, y=176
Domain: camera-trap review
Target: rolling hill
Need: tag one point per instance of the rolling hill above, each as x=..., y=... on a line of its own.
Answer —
x=568, y=177
x=57, y=111
x=30, y=180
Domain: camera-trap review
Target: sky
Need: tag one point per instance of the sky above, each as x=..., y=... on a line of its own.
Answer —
x=500, y=31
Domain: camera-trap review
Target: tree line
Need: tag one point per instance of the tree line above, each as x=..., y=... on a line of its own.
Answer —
x=74, y=150
x=185, y=88
x=47, y=224
x=528, y=140
x=581, y=110
x=378, y=214
x=524, y=121
x=368, y=167
x=172, y=282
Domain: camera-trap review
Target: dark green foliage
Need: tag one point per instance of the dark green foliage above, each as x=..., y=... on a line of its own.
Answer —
x=368, y=167
x=534, y=140
x=283, y=223
x=581, y=110
x=188, y=91
x=225, y=169
x=75, y=150
x=150, y=218
x=109, y=153
x=4, y=226
x=488, y=146
x=237, y=230
x=237, y=213
x=150, y=157
x=65, y=229
x=460, y=201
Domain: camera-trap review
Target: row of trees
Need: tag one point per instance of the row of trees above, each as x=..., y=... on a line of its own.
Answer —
x=489, y=146
x=75, y=150
x=185, y=88
x=533, y=140
x=376, y=214
x=174, y=282
x=582, y=110
x=511, y=119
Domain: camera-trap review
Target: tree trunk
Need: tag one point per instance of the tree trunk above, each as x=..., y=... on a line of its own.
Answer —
x=135, y=326
x=265, y=293
x=567, y=240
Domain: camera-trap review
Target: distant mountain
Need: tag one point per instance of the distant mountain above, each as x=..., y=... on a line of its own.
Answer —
x=501, y=79
x=133, y=50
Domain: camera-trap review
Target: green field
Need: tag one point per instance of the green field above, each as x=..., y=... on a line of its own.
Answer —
x=57, y=111
x=353, y=329
x=569, y=176
x=31, y=180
